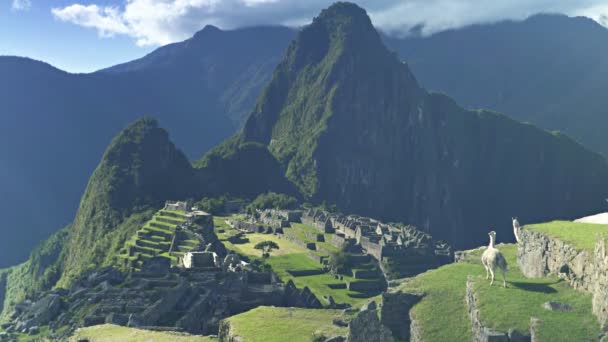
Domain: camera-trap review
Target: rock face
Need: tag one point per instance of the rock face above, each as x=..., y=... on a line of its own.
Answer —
x=482, y=333
x=350, y=125
x=557, y=306
x=539, y=255
x=366, y=327
x=395, y=314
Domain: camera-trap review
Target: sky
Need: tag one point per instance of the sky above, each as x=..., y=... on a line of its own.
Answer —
x=87, y=35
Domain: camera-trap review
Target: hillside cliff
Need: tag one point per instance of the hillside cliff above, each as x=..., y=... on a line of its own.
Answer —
x=350, y=125
x=54, y=126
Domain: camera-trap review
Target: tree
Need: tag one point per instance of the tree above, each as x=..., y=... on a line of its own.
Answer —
x=266, y=247
x=339, y=262
x=272, y=200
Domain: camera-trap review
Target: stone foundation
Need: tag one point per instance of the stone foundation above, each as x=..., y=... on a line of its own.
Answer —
x=539, y=255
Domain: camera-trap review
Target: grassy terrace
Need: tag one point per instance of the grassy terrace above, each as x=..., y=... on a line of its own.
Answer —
x=111, y=333
x=291, y=258
x=578, y=235
x=443, y=315
x=270, y=324
x=154, y=239
x=512, y=307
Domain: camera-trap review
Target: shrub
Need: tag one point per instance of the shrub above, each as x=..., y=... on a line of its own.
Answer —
x=267, y=246
x=272, y=200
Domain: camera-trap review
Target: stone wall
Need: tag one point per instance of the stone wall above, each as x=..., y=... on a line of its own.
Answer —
x=395, y=313
x=539, y=255
x=366, y=327
x=372, y=248
x=3, y=276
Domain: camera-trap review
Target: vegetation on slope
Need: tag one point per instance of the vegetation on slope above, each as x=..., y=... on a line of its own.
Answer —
x=39, y=272
x=511, y=308
x=442, y=314
x=350, y=125
x=579, y=235
x=140, y=170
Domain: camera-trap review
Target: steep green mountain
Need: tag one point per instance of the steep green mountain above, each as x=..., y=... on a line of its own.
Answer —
x=350, y=125
x=138, y=172
x=54, y=126
x=547, y=69
x=140, y=169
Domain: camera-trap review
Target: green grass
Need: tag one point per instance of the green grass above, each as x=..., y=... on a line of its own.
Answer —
x=285, y=246
x=523, y=298
x=271, y=324
x=110, y=333
x=305, y=227
x=443, y=316
x=292, y=257
x=580, y=235
x=442, y=313
x=318, y=284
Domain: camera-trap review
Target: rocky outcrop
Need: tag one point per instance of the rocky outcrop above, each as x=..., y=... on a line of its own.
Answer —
x=482, y=333
x=366, y=327
x=395, y=313
x=415, y=333
x=540, y=255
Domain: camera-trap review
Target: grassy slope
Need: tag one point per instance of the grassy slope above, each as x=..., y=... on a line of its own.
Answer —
x=271, y=324
x=512, y=307
x=110, y=333
x=443, y=316
x=579, y=235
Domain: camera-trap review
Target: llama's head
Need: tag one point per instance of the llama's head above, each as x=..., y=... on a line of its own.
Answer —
x=492, y=235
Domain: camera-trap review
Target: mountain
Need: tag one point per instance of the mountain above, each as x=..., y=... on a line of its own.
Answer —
x=139, y=171
x=547, y=69
x=350, y=125
x=54, y=126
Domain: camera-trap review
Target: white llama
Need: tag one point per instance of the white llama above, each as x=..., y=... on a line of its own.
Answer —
x=492, y=258
x=516, y=229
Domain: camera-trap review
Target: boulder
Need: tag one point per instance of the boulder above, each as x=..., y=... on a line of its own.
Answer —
x=557, y=306
x=33, y=330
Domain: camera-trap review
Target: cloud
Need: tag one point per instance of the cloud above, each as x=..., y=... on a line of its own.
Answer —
x=21, y=5
x=157, y=22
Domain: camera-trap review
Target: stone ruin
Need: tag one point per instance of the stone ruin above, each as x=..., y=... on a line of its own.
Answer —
x=402, y=251
x=158, y=297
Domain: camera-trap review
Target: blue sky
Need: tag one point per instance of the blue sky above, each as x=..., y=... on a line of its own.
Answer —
x=86, y=35
x=35, y=33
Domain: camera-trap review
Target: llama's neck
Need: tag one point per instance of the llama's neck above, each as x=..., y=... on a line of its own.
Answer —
x=491, y=245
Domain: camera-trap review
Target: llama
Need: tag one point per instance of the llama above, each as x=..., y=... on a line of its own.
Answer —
x=492, y=258
x=516, y=229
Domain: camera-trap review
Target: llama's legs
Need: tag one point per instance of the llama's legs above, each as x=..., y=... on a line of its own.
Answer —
x=487, y=271
x=492, y=274
x=504, y=278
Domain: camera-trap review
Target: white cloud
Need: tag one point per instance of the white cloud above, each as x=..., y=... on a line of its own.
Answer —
x=156, y=22
x=107, y=20
x=21, y=5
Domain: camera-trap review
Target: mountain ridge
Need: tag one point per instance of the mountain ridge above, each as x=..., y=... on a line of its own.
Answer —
x=357, y=130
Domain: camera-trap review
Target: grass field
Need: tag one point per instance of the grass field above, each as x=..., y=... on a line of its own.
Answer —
x=579, y=235
x=111, y=333
x=443, y=316
x=523, y=298
x=271, y=324
x=291, y=257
